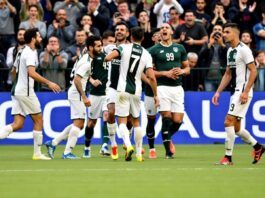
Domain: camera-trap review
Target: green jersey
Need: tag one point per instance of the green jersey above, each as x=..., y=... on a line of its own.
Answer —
x=99, y=70
x=166, y=58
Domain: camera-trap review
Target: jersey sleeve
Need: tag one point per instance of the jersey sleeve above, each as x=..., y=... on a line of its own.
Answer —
x=83, y=67
x=183, y=54
x=149, y=62
x=247, y=55
x=30, y=61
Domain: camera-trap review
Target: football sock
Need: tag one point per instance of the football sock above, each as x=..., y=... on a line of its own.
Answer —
x=62, y=136
x=37, y=142
x=130, y=128
x=112, y=131
x=5, y=131
x=173, y=128
x=150, y=132
x=166, y=122
x=72, y=139
x=246, y=137
x=229, y=158
x=89, y=132
x=230, y=140
x=105, y=133
x=125, y=135
x=138, y=139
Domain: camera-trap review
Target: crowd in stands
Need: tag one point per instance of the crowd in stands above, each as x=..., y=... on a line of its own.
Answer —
x=65, y=26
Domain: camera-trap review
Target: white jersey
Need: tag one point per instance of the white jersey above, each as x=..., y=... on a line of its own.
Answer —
x=24, y=85
x=134, y=59
x=237, y=60
x=82, y=67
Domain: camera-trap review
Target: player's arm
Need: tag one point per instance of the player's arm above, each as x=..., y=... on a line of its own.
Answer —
x=224, y=82
x=167, y=74
x=33, y=74
x=94, y=82
x=114, y=54
x=13, y=73
x=152, y=82
x=185, y=70
x=78, y=85
x=251, y=80
x=144, y=78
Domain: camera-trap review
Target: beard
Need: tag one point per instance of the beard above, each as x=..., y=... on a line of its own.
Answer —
x=38, y=45
x=21, y=42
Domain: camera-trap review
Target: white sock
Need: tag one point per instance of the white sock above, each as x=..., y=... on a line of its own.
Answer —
x=246, y=137
x=125, y=135
x=62, y=136
x=5, y=131
x=230, y=140
x=37, y=139
x=72, y=139
x=138, y=139
x=112, y=132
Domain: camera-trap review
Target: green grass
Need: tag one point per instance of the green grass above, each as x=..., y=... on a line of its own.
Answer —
x=191, y=174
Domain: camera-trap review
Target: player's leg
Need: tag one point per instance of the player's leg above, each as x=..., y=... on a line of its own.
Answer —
x=166, y=122
x=38, y=137
x=17, y=124
x=89, y=132
x=105, y=136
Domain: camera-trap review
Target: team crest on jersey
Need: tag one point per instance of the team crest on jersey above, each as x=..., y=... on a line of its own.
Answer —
x=175, y=49
x=161, y=51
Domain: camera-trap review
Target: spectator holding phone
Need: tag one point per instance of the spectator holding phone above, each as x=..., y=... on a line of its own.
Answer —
x=213, y=56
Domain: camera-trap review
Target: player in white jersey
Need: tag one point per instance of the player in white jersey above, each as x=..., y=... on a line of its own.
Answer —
x=121, y=34
x=134, y=59
x=241, y=73
x=78, y=100
x=24, y=99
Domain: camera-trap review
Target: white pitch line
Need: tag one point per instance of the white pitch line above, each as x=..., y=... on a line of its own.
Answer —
x=128, y=169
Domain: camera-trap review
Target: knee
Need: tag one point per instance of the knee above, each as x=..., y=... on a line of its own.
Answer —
x=228, y=122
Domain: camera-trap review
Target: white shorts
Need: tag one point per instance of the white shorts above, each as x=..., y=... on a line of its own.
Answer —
x=78, y=109
x=98, y=106
x=236, y=108
x=25, y=105
x=128, y=104
x=111, y=95
x=171, y=99
x=149, y=105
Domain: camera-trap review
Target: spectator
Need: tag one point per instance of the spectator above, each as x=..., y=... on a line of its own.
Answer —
x=72, y=8
x=108, y=38
x=99, y=13
x=246, y=38
x=143, y=20
x=48, y=12
x=53, y=61
x=246, y=17
x=34, y=22
x=192, y=35
x=12, y=53
x=219, y=15
x=259, y=32
x=260, y=60
x=201, y=15
x=7, y=33
x=3, y=73
x=86, y=23
x=213, y=57
x=62, y=29
x=174, y=18
x=161, y=9
x=124, y=15
x=147, y=5
x=112, y=6
x=24, y=14
x=75, y=50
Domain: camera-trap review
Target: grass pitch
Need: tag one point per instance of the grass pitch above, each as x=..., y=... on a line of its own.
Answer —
x=191, y=174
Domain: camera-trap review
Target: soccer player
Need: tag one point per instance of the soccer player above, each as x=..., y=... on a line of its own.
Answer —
x=241, y=73
x=98, y=108
x=24, y=99
x=77, y=99
x=121, y=34
x=134, y=59
x=170, y=63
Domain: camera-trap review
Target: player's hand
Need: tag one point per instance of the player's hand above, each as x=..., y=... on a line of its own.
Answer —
x=54, y=87
x=215, y=98
x=178, y=71
x=171, y=74
x=96, y=82
x=86, y=101
x=157, y=102
x=243, y=98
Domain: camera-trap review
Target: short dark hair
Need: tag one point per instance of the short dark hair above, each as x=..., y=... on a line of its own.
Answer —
x=91, y=41
x=189, y=10
x=137, y=33
x=173, y=8
x=231, y=25
x=107, y=34
x=123, y=23
x=30, y=34
x=246, y=32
